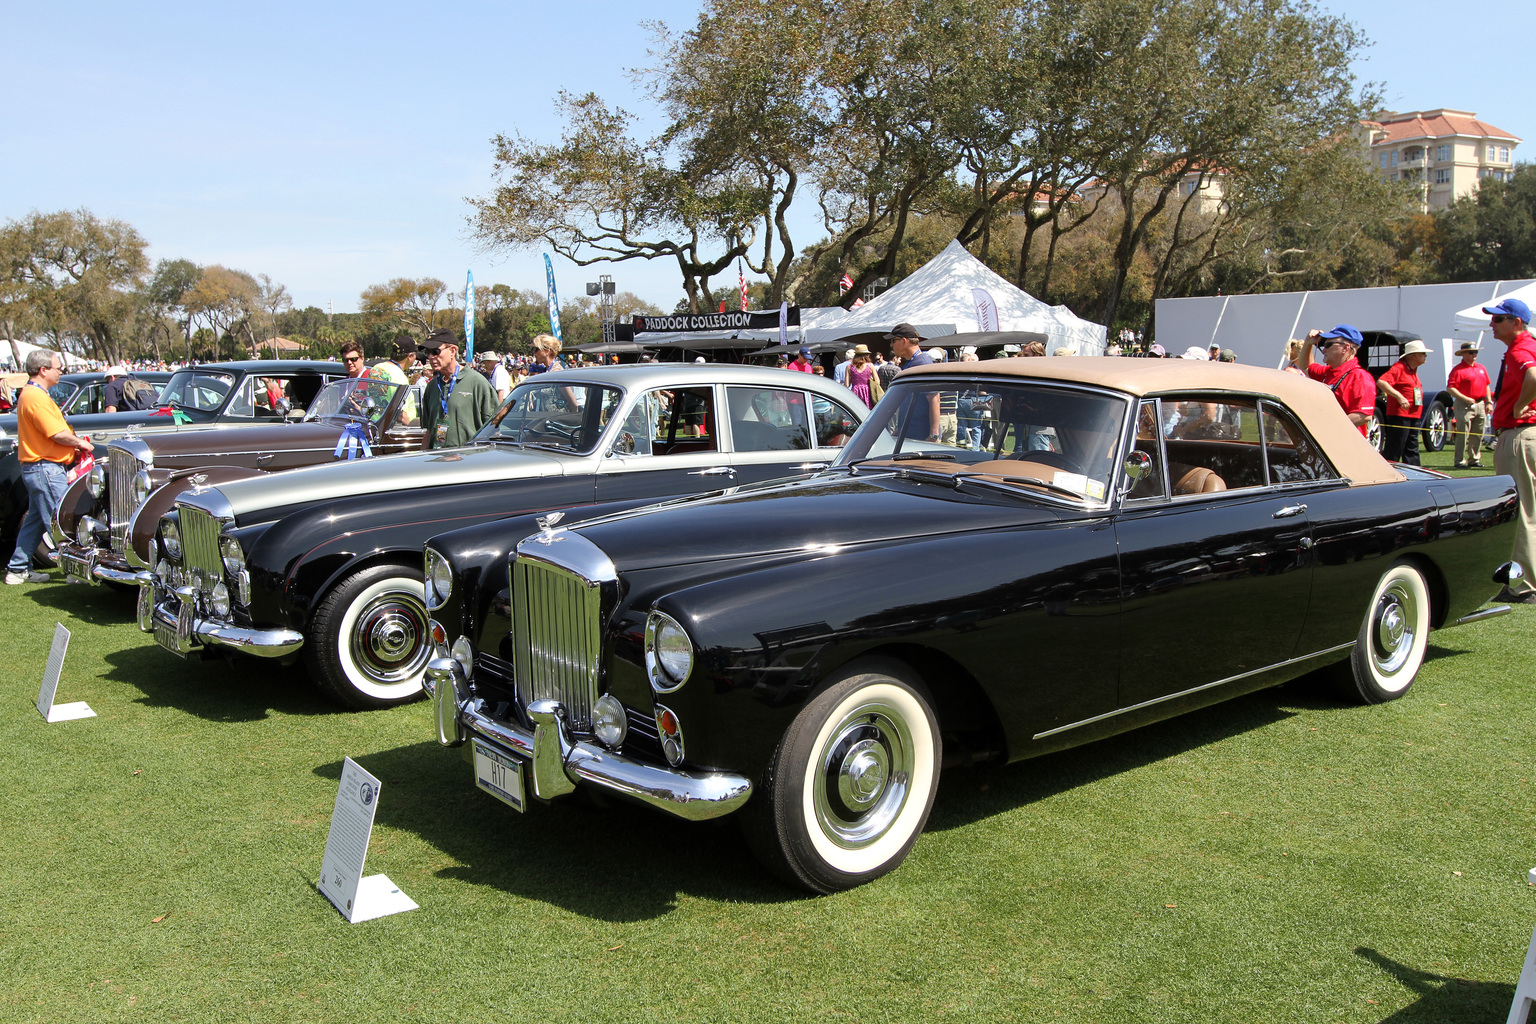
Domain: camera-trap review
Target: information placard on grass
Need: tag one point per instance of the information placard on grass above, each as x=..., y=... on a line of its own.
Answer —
x=346, y=848
x=51, y=672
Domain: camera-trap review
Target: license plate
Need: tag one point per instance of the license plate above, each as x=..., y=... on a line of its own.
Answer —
x=499, y=775
x=165, y=636
x=76, y=570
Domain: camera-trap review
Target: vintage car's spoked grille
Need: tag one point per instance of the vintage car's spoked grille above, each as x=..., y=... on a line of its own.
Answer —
x=122, y=467
x=200, y=542
x=556, y=616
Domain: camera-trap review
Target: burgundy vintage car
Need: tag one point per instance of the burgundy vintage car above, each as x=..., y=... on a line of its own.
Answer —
x=106, y=522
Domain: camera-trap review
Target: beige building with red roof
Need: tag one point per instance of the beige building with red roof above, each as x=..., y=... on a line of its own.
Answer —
x=1444, y=152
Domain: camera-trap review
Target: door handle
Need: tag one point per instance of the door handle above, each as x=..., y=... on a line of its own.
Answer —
x=265, y=457
x=1289, y=511
x=714, y=471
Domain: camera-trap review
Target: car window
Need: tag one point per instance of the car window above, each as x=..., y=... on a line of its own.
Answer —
x=366, y=398
x=834, y=423
x=243, y=405
x=197, y=389
x=1152, y=485
x=1292, y=456
x=685, y=421
x=84, y=401
x=551, y=413
x=767, y=419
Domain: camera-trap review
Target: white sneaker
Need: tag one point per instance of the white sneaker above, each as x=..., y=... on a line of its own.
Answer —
x=13, y=578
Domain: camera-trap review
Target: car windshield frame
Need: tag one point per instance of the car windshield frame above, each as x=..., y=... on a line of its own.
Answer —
x=191, y=373
x=545, y=413
x=369, y=401
x=1039, y=459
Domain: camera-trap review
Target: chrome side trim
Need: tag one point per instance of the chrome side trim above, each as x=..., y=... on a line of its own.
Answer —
x=695, y=796
x=1483, y=613
x=1192, y=689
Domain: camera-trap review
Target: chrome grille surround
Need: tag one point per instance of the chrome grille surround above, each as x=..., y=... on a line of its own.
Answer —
x=124, y=460
x=559, y=581
x=201, y=517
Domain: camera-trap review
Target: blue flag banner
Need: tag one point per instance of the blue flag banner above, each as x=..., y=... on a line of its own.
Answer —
x=354, y=442
x=469, y=319
x=784, y=323
x=554, y=301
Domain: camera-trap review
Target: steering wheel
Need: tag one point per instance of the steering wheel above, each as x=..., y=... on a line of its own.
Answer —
x=1055, y=460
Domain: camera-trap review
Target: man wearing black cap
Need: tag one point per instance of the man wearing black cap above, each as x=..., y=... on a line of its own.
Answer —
x=907, y=346
x=1514, y=420
x=455, y=404
x=1352, y=384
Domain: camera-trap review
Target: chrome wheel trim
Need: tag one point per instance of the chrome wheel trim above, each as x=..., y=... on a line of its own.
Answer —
x=385, y=645
x=1395, y=633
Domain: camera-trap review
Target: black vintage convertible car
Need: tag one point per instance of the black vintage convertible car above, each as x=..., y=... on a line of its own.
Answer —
x=1009, y=558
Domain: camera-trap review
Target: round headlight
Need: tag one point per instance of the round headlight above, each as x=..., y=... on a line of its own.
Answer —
x=96, y=481
x=142, y=485
x=84, y=535
x=234, y=558
x=609, y=723
x=439, y=579
x=218, y=600
x=170, y=536
x=463, y=652
x=668, y=653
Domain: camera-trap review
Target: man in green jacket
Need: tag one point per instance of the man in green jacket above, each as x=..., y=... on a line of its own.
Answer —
x=458, y=401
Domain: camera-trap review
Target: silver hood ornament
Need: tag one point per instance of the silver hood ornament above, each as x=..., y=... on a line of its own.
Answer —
x=547, y=526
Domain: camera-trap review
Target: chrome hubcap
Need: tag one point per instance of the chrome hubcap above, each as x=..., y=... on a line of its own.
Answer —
x=864, y=775
x=388, y=644
x=1395, y=615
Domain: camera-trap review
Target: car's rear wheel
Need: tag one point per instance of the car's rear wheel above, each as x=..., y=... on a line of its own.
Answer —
x=1436, y=427
x=850, y=786
x=1373, y=432
x=370, y=639
x=1393, y=638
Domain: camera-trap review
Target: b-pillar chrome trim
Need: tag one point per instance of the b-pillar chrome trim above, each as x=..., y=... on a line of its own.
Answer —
x=560, y=761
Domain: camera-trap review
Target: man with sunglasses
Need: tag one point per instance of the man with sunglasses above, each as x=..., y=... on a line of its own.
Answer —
x=1514, y=421
x=1352, y=384
x=456, y=403
x=352, y=359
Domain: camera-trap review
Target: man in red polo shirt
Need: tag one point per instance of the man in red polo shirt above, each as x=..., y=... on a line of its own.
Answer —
x=1514, y=420
x=1350, y=382
x=1469, y=386
x=1400, y=386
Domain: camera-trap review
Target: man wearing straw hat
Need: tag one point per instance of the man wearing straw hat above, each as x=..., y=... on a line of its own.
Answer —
x=1404, y=396
x=1469, y=387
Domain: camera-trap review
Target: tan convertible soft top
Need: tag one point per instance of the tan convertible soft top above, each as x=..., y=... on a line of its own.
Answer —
x=1349, y=452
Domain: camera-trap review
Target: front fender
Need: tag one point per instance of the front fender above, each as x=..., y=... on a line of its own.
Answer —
x=77, y=502
x=146, y=518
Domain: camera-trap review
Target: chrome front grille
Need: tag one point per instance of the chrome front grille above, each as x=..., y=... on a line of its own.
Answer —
x=122, y=467
x=200, y=544
x=556, y=636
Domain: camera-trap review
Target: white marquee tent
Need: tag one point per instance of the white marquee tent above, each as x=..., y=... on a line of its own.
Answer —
x=938, y=300
x=11, y=351
x=1473, y=320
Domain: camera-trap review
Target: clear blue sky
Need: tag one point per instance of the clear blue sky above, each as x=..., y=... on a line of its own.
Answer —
x=331, y=145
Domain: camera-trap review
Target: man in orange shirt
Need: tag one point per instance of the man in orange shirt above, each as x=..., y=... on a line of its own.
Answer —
x=46, y=448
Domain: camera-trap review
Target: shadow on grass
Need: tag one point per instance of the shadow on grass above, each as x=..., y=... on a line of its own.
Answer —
x=218, y=690
x=1443, y=998
x=99, y=606
x=612, y=862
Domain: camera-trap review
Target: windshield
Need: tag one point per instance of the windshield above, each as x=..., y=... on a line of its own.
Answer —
x=1018, y=432
x=197, y=389
x=554, y=414
x=361, y=398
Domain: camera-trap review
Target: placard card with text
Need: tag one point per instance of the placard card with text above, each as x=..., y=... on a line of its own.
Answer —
x=45, y=706
x=346, y=848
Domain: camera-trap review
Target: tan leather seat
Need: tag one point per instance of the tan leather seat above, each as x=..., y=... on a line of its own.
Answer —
x=1199, y=480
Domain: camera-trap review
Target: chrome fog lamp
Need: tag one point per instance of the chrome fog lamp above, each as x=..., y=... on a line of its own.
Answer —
x=218, y=600
x=671, y=732
x=609, y=722
x=668, y=653
x=438, y=577
x=234, y=558
x=463, y=652
x=96, y=481
x=170, y=536
x=142, y=485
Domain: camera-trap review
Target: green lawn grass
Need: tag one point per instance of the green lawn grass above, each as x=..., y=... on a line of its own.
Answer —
x=1280, y=857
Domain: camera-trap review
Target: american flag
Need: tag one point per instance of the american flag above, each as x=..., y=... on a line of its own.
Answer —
x=857, y=303
x=844, y=284
x=742, y=278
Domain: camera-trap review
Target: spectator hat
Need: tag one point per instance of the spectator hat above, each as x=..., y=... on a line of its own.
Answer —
x=1415, y=348
x=1195, y=352
x=1510, y=307
x=906, y=331
x=1228, y=356
x=438, y=338
x=805, y=351
x=489, y=357
x=115, y=370
x=1344, y=332
x=1466, y=346
x=937, y=354
x=1157, y=351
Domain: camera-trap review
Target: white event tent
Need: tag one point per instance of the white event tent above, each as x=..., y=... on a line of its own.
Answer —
x=1473, y=320
x=938, y=300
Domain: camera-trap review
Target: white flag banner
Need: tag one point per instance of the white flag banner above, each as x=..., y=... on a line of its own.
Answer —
x=986, y=310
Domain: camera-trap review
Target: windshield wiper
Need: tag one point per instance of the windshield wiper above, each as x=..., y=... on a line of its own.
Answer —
x=999, y=483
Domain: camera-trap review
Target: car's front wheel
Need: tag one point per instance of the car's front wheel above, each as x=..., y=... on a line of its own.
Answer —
x=369, y=640
x=1373, y=432
x=850, y=786
x=1393, y=638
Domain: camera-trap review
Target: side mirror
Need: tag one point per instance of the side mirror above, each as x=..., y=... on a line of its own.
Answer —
x=1508, y=573
x=1137, y=465
x=624, y=445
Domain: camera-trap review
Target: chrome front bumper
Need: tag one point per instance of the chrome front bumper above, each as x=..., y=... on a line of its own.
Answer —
x=559, y=761
x=173, y=618
x=94, y=566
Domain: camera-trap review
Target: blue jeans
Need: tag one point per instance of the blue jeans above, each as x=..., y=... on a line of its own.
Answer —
x=45, y=486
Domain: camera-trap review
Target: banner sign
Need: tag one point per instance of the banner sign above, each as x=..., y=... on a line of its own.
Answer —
x=760, y=321
x=469, y=319
x=986, y=310
x=554, y=300
x=784, y=323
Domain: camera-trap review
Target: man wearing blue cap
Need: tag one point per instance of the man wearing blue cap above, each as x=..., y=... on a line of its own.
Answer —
x=1514, y=421
x=1351, y=383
